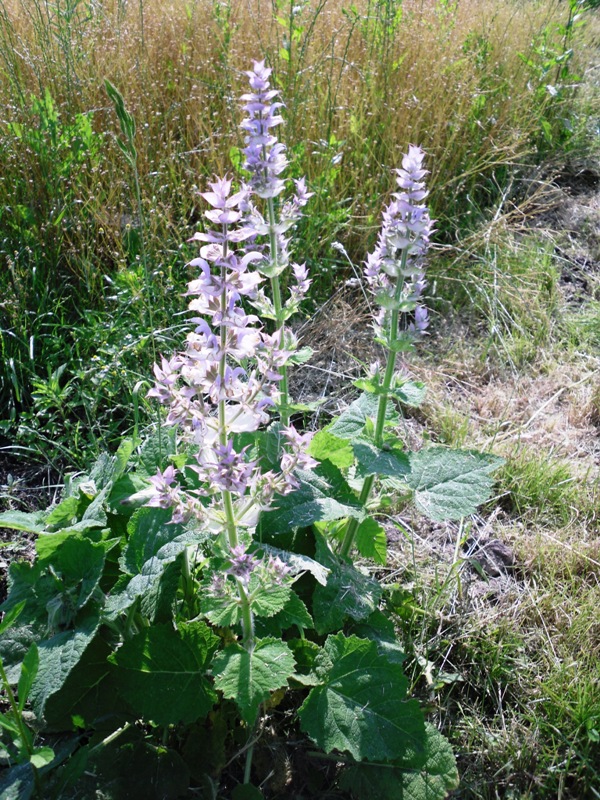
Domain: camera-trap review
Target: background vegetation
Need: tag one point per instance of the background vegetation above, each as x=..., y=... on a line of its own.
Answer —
x=92, y=245
x=502, y=98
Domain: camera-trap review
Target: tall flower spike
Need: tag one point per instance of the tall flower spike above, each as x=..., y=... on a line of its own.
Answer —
x=395, y=267
x=394, y=271
x=266, y=161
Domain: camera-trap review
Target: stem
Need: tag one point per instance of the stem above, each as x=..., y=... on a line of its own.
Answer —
x=279, y=315
x=23, y=731
x=353, y=524
x=230, y=523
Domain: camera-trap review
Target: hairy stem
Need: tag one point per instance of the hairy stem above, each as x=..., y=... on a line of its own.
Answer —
x=367, y=487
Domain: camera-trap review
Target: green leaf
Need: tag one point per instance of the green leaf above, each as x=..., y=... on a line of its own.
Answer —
x=78, y=562
x=30, y=522
x=410, y=393
x=65, y=514
x=381, y=630
x=9, y=724
x=246, y=791
x=352, y=422
x=41, y=756
x=15, y=643
x=293, y=613
x=88, y=694
x=17, y=783
x=371, y=540
x=305, y=652
x=326, y=446
x=11, y=616
x=148, y=530
x=29, y=669
x=153, y=584
x=298, y=563
x=361, y=706
x=317, y=499
x=268, y=600
x=373, y=461
x=162, y=672
x=122, y=457
x=128, y=492
x=429, y=776
x=348, y=592
x=301, y=356
x=249, y=677
x=450, y=484
x=58, y=657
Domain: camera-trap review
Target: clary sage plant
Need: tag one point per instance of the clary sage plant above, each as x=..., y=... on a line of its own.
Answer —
x=196, y=602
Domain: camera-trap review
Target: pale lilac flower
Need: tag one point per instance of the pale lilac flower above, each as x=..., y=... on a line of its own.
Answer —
x=276, y=571
x=243, y=564
x=401, y=246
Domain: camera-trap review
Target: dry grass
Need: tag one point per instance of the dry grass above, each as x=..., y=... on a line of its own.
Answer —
x=448, y=77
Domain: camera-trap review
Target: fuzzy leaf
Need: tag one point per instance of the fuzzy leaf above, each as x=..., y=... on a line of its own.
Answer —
x=361, y=706
x=268, y=601
x=148, y=530
x=249, y=677
x=371, y=541
x=77, y=561
x=326, y=446
x=410, y=393
x=30, y=522
x=11, y=616
x=222, y=611
x=450, y=484
x=293, y=613
x=321, y=497
x=373, y=461
x=151, y=584
x=161, y=673
x=347, y=593
x=58, y=656
x=353, y=420
x=429, y=776
x=29, y=669
x=298, y=563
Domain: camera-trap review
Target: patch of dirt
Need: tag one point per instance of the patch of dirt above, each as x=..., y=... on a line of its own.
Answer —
x=573, y=220
x=23, y=487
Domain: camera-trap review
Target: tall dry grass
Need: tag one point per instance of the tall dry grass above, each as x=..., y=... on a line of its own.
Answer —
x=360, y=81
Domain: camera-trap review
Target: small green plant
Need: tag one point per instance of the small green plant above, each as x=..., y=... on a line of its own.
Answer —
x=200, y=588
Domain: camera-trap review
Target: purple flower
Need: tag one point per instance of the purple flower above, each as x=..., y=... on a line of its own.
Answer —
x=243, y=564
x=401, y=246
x=265, y=156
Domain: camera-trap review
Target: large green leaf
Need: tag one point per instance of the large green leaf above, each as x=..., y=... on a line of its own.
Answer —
x=30, y=522
x=430, y=776
x=148, y=530
x=347, y=593
x=153, y=584
x=361, y=705
x=161, y=672
x=371, y=540
x=249, y=676
x=58, y=657
x=323, y=496
x=450, y=484
x=89, y=694
x=325, y=446
x=78, y=563
x=373, y=461
x=351, y=423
